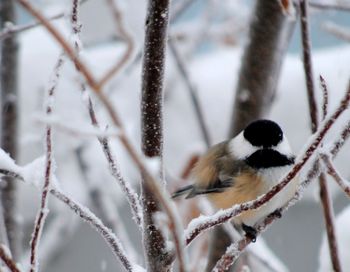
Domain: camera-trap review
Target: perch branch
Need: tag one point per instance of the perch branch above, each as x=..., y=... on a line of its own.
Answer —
x=195, y=228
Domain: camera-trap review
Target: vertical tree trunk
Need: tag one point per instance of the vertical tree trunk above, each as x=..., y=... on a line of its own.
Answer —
x=269, y=36
x=270, y=32
x=152, y=128
x=8, y=85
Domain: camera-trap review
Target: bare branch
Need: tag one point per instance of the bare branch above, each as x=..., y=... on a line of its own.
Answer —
x=93, y=220
x=337, y=30
x=43, y=211
x=10, y=263
x=157, y=254
x=332, y=171
x=60, y=39
x=325, y=97
x=106, y=233
x=118, y=16
x=306, y=43
x=192, y=91
x=10, y=30
x=329, y=6
x=9, y=127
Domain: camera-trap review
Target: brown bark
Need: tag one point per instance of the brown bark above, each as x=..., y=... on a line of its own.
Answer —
x=269, y=36
x=8, y=85
x=152, y=128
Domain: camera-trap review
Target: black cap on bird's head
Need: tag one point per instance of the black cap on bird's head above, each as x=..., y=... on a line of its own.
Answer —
x=265, y=133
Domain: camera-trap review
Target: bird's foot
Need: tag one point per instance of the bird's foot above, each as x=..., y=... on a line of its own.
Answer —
x=250, y=232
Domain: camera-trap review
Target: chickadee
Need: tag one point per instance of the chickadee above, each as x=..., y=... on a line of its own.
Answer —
x=243, y=168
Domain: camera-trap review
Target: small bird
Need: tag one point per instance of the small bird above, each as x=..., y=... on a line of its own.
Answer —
x=243, y=168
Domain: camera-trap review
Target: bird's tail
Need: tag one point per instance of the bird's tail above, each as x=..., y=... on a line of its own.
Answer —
x=182, y=191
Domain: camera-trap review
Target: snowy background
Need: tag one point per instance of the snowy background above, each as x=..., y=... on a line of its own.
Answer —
x=213, y=67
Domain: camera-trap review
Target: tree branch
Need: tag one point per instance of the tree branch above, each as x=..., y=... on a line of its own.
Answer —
x=10, y=263
x=9, y=123
x=43, y=211
x=332, y=171
x=118, y=16
x=192, y=91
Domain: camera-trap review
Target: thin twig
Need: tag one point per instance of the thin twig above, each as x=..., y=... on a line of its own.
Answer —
x=326, y=200
x=197, y=227
x=192, y=91
x=118, y=16
x=325, y=97
x=337, y=30
x=43, y=211
x=153, y=185
x=6, y=259
x=306, y=44
x=332, y=171
x=60, y=39
x=329, y=6
x=130, y=194
x=10, y=29
x=93, y=220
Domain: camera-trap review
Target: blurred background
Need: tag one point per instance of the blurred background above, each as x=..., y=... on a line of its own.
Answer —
x=209, y=36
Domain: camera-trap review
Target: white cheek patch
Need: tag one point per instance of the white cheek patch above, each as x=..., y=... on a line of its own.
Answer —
x=284, y=147
x=240, y=148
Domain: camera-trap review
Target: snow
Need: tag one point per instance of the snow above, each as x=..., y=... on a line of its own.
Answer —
x=213, y=73
x=342, y=225
x=7, y=163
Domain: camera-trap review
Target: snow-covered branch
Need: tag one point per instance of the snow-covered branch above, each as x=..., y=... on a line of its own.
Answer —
x=84, y=213
x=332, y=171
x=49, y=169
x=7, y=260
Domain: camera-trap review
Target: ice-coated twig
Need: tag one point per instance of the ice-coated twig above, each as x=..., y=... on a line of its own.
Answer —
x=192, y=91
x=137, y=159
x=326, y=200
x=7, y=260
x=61, y=40
x=198, y=225
x=337, y=30
x=332, y=171
x=94, y=221
x=338, y=144
x=10, y=29
x=43, y=211
x=130, y=194
x=325, y=97
x=119, y=20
